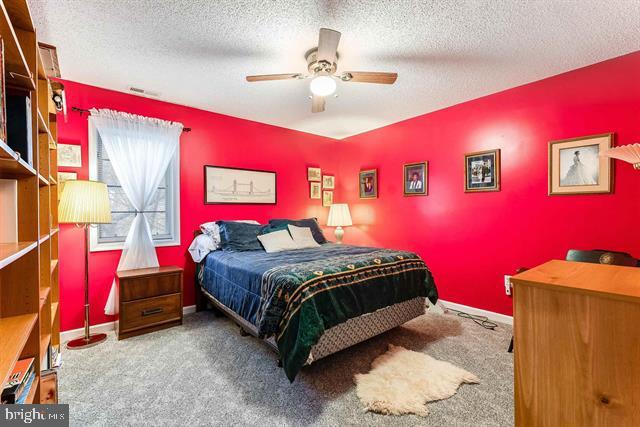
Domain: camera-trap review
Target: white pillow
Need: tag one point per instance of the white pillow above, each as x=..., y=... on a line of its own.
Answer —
x=277, y=241
x=201, y=246
x=302, y=237
x=212, y=229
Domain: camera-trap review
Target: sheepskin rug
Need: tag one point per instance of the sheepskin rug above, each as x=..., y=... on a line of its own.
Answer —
x=402, y=381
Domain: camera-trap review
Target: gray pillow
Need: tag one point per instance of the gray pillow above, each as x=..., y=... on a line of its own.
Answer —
x=312, y=223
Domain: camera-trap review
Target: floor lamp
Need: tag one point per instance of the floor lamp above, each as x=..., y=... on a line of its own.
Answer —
x=84, y=203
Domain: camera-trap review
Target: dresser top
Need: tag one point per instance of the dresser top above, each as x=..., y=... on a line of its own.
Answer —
x=606, y=280
x=148, y=271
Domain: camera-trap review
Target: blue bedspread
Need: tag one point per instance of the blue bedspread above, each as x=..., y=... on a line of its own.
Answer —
x=235, y=278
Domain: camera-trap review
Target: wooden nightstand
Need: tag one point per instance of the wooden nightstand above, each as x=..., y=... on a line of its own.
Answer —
x=150, y=299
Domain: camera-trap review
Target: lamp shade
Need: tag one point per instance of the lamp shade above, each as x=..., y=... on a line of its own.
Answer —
x=339, y=215
x=84, y=202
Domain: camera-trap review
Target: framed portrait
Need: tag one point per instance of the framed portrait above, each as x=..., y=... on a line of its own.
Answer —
x=224, y=185
x=69, y=156
x=328, y=182
x=576, y=167
x=368, y=182
x=415, y=176
x=315, y=190
x=327, y=198
x=482, y=171
x=314, y=174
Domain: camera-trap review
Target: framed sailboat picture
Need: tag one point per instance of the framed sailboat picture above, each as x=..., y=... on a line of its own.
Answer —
x=577, y=167
x=224, y=185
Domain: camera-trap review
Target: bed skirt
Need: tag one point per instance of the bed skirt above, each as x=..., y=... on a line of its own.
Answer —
x=346, y=334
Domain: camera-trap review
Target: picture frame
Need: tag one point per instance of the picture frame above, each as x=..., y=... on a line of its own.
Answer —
x=3, y=103
x=482, y=171
x=368, y=184
x=226, y=185
x=328, y=182
x=69, y=156
x=64, y=177
x=314, y=174
x=327, y=198
x=315, y=190
x=415, y=179
x=576, y=166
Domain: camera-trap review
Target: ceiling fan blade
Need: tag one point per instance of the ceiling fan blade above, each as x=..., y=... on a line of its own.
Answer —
x=265, y=77
x=317, y=104
x=328, y=45
x=369, y=77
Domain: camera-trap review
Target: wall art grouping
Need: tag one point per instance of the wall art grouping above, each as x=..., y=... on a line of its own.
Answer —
x=321, y=186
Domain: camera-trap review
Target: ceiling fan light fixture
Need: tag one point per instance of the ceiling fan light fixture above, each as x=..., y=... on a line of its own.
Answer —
x=322, y=86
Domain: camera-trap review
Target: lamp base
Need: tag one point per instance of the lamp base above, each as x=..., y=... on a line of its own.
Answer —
x=82, y=342
x=339, y=235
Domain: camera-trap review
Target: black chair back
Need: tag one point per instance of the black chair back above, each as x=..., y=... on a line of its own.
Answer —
x=599, y=256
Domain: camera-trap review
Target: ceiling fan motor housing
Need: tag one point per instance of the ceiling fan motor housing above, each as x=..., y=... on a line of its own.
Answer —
x=321, y=67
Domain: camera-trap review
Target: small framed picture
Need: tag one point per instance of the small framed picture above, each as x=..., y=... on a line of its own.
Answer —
x=327, y=198
x=368, y=182
x=69, y=156
x=64, y=177
x=315, y=190
x=3, y=110
x=328, y=182
x=576, y=167
x=415, y=179
x=314, y=174
x=482, y=171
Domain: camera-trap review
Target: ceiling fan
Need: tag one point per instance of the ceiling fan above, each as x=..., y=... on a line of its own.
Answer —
x=322, y=65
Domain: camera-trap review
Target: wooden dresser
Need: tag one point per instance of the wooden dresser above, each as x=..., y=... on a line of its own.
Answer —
x=577, y=345
x=149, y=299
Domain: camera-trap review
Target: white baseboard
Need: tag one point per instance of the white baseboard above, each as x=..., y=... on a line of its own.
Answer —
x=496, y=317
x=108, y=327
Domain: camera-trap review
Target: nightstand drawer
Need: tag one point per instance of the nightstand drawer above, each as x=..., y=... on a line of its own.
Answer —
x=150, y=286
x=150, y=311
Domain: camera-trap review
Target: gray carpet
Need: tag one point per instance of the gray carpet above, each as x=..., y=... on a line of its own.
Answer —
x=205, y=373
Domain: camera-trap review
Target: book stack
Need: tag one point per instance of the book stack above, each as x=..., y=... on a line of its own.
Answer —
x=20, y=381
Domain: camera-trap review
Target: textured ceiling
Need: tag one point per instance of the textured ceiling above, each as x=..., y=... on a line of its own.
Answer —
x=197, y=52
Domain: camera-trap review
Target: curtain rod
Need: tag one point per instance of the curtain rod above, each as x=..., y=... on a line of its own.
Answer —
x=82, y=111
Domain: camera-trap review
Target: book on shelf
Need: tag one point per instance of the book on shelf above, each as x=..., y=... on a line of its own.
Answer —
x=19, y=132
x=56, y=356
x=25, y=392
x=17, y=385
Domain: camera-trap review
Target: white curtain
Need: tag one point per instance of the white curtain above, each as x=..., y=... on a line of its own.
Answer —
x=140, y=150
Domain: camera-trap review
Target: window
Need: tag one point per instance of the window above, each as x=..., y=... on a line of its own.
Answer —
x=162, y=214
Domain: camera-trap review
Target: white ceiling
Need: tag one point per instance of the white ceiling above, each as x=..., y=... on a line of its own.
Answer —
x=197, y=52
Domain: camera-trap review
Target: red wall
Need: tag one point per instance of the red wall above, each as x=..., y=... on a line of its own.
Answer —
x=215, y=139
x=471, y=240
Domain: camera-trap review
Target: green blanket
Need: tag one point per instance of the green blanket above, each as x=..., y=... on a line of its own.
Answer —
x=307, y=298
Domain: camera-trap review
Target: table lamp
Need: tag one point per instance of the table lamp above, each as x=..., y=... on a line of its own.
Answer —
x=84, y=203
x=629, y=153
x=339, y=217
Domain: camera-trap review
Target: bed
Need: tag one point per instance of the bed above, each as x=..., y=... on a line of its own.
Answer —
x=309, y=303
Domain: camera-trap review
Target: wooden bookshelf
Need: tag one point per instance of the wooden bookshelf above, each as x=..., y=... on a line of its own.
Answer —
x=29, y=293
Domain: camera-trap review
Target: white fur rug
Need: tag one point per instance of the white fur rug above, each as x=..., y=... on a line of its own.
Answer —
x=402, y=381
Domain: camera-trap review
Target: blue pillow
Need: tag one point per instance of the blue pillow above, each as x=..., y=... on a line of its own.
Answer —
x=311, y=223
x=239, y=236
x=270, y=228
